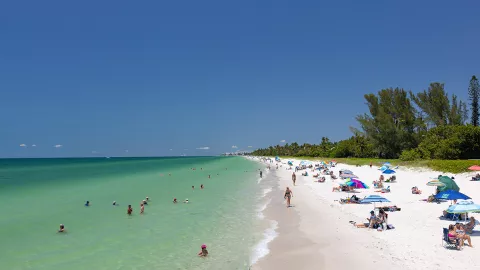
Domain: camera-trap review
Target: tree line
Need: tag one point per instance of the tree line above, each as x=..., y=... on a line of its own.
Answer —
x=401, y=124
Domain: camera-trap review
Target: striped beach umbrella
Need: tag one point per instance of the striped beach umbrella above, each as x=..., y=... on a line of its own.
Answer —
x=435, y=183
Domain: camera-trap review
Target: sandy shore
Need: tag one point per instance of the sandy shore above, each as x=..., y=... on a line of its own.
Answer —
x=316, y=234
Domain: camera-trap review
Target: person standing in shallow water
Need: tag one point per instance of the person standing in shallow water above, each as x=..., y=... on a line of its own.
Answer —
x=142, y=208
x=261, y=174
x=294, y=178
x=288, y=195
x=129, y=210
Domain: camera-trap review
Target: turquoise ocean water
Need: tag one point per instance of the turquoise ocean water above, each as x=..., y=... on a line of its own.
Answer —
x=38, y=194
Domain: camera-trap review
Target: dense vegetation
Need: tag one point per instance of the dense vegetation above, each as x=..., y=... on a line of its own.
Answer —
x=429, y=125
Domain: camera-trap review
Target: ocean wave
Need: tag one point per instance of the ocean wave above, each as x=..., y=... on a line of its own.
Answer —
x=262, y=208
x=266, y=191
x=261, y=249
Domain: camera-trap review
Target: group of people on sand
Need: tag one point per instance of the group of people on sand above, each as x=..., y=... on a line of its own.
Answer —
x=378, y=222
x=459, y=233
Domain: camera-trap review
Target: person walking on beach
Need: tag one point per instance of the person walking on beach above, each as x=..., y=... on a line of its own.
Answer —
x=294, y=178
x=370, y=164
x=129, y=210
x=288, y=195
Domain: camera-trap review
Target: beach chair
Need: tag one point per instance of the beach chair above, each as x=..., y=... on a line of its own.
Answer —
x=447, y=242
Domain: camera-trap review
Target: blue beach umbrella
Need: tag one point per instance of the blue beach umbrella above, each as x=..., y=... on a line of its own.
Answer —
x=388, y=171
x=383, y=168
x=374, y=199
x=463, y=207
x=451, y=195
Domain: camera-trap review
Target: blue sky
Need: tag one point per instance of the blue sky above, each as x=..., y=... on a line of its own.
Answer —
x=150, y=76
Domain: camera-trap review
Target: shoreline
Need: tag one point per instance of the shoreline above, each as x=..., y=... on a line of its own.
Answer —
x=316, y=233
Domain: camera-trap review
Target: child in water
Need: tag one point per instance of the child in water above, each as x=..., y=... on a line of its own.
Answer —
x=203, y=252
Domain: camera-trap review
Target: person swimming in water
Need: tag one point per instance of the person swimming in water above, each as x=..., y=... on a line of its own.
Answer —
x=146, y=198
x=209, y=176
x=114, y=203
x=174, y=200
x=203, y=252
x=142, y=208
x=87, y=203
x=129, y=210
x=201, y=186
x=144, y=202
x=186, y=201
x=193, y=187
x=62, y=228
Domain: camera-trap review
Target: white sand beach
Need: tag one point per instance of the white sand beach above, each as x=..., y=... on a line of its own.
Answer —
x=316, y=233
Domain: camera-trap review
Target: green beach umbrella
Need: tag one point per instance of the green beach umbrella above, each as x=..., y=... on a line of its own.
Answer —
x=449, y=184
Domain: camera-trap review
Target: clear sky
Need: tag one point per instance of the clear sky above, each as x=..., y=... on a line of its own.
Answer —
x=103, y=77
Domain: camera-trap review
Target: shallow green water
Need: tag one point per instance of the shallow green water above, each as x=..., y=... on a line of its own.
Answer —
x=39, y=194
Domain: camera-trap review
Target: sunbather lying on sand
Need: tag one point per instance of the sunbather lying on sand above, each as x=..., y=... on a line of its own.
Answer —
x=415, y=190
x=342, y=188
x=321, y=180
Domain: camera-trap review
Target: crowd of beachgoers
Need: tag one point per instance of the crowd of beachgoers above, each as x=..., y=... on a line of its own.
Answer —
x=416, y=209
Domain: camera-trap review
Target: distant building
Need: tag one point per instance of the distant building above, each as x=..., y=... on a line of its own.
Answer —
x=238, y=153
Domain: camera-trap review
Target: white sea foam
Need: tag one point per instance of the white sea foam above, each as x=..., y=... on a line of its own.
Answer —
x=262, y=208
x=266, y=191
x=261, y=249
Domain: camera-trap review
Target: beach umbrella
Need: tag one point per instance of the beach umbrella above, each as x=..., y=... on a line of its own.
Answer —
x=435, y=183
x=449, y=184
x=463, y=207
x=374, y=199
x=451, y=195
x=348, y=175
x=355, y=183
x=388, y=171
x=474, y=168
x=383, y=168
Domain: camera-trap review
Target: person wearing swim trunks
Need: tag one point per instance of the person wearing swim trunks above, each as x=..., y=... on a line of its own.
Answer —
x=288, y=195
